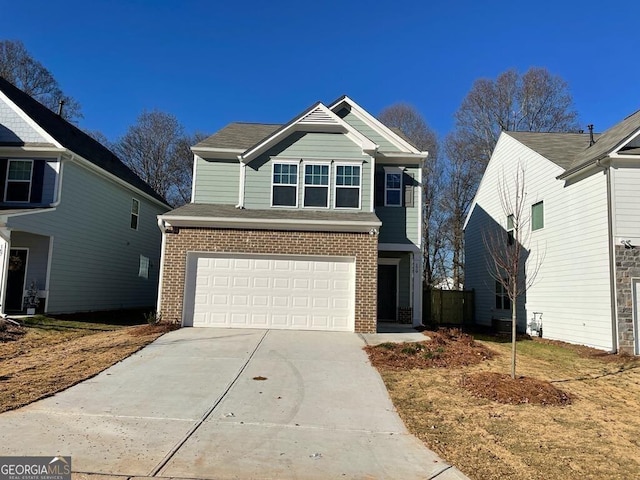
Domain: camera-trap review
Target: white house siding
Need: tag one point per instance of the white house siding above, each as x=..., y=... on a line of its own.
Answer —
x=572, y=287
x=96, y=253
x=14, y=128
x=333, y=147
x=217, y=181
x=626, y=197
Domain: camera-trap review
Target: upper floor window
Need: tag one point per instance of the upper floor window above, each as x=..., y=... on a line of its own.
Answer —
x=393, y=188
x=510, y=230
x=135, y=213
x=502, y=297
x=537, y=216
x=18, y=184
x=347, y=186
x=316, y=185
x=284, y=190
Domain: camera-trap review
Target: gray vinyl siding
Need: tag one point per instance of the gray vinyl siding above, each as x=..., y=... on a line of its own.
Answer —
x=329, y=147
x=217, y=181
x=13, y=128
x=401, y=224
x=38, y=246
x=384, y=144
x=96, y=253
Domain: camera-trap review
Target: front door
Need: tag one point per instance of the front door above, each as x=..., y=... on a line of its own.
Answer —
x=15, y=279
x=387, y=292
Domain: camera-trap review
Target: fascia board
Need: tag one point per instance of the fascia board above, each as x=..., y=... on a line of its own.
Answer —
x=375, y=124
x=217, y=153
x=270, y=224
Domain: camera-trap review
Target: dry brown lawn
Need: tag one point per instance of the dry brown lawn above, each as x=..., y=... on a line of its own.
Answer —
x=596, y=436
x=51, y=355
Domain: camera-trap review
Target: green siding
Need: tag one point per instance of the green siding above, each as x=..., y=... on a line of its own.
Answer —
x=217, y=181
x=304, y=146
x=384, y=144
x=95, y=252
x=400, y=224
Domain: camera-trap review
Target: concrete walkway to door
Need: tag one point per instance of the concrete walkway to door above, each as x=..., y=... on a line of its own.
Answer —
x=222, y=404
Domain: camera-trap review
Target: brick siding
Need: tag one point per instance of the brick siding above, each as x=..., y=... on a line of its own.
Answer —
x=362, y=246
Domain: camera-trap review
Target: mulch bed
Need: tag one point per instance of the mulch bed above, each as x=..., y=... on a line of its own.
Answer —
x=447, y=348
x=502, y=388
x=10, y=332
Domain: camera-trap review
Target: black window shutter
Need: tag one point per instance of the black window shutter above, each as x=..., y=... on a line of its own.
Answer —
x=3, y=177
x=36, y=181
x=408, y=183
x=379, y=187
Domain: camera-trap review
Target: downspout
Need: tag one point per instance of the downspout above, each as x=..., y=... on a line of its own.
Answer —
x=612, y=263
x=163, y=229
x=243, y=167
x=5, y=234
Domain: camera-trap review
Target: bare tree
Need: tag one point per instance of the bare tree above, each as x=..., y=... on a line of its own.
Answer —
x=510, y=262
x=157, y=150
x=410, y=122
x=536, y=101
x=462, y=174
x=18, y=67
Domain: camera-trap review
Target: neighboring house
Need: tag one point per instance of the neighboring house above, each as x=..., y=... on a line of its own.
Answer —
x=583, y=195
x=311, y=225
x=74, y=220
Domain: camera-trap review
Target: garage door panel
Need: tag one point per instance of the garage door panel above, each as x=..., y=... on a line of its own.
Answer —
x=278, y=292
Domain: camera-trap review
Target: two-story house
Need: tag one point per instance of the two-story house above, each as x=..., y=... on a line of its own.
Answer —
x=583, y=228
x=76, y=224
x=312, y=225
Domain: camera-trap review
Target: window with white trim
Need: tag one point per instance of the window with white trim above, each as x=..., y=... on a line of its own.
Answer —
x=510, y=230
x=284, y=185
x=393, y=187
x=316, y=185
x=18, y=182
x=135, y=213
x=502, y=297
x=537, y=216
x=347, y=186
x=143, y=268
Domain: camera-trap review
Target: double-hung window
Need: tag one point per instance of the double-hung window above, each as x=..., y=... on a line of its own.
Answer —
x=135, y=213
x=347, y=186
x=284, y=189
x=510, y=230
x=18, y=182
x=502, y=297
x=316, y=185
x=393, y=187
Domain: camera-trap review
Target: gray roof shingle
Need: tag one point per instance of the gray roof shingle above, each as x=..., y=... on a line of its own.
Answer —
x=74, y=139
x=238, y=135
x=560, y=148
x=207, y=210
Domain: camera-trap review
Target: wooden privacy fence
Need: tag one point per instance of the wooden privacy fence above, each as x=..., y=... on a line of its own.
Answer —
x=447, y=307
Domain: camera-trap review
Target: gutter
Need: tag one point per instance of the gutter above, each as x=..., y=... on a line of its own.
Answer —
x=612, y=263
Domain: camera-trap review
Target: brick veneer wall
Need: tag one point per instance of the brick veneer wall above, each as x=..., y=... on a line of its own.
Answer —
x=362, y=246
x=627, y=268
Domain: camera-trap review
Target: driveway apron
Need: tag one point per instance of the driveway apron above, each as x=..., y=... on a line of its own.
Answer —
x=222, y=404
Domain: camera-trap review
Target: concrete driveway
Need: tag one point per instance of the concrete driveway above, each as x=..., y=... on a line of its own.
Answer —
x=222, y=404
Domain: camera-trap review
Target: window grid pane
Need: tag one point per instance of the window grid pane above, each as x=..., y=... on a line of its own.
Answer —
x=348, y=175
x=285, y=174
x=19, y=170
x=316, y=175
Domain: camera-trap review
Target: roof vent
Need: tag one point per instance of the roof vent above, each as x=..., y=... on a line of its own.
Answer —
x=591, y=140
x=60, y=105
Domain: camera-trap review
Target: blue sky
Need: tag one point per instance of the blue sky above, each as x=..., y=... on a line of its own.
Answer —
x=210, y=63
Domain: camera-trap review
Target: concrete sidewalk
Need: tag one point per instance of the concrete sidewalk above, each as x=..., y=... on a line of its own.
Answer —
x=218, y=403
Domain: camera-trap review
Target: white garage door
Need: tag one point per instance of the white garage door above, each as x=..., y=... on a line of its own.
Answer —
x=274, y=291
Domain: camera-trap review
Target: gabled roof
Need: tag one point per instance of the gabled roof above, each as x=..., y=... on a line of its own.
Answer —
x=248, y=140
x=560, y=148
x=74, y=139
